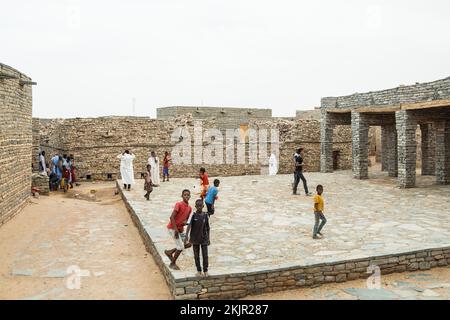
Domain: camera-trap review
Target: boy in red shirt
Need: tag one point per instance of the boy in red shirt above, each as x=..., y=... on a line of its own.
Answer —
x=178, y=220
x=204, y=184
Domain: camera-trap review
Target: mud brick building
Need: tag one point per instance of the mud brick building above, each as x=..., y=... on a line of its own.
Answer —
x=399, y=112
x=15, y=141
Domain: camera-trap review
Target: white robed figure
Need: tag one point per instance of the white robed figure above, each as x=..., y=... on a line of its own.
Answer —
x=126, y=168
x=154, y=162
x=273, y=165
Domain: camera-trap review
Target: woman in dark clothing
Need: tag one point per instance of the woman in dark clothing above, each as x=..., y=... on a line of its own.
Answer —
x=198, y=234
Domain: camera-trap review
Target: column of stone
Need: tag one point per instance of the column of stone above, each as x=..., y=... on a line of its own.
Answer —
x=392, y=151
x=406, y=134
x=427, y=157
x=384, y=149
x=360, y=145
x=326, y=142
x=442, y=152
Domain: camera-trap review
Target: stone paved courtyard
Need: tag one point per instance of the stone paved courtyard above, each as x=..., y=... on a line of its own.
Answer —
x=259, y=225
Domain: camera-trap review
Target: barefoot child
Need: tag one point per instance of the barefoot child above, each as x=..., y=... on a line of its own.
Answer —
x=198, y=234
x=178, y=220
x=148, y=185
x=318, y=212
x=211, y=196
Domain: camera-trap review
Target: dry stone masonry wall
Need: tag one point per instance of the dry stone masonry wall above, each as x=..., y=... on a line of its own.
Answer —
x=15, y=141
x=95, y=143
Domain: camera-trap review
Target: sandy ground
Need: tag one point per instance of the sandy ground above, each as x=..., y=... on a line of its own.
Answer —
x=82, y=239
x=431, y=284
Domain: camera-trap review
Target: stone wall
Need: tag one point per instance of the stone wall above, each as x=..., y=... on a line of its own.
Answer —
x=15, y=141
x=436, y=90
x=95, y=143
x=224, y=117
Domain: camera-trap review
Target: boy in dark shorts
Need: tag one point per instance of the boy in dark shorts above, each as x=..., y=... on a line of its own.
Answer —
x=211, y=196
x=198, y=234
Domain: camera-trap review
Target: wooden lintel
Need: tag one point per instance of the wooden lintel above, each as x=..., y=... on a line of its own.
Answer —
x=426, y=105
x=339, y=110
x=378, y=109
x=26, y=82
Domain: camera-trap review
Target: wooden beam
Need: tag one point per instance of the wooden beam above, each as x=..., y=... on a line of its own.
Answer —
x=24, y=82
x=426, y=105
x=338, y=110
x=378, y=109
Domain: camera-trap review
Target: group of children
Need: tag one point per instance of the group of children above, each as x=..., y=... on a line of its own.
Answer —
x=198, y=229
x=61, y=172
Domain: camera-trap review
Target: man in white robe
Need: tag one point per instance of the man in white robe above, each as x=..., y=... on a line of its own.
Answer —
x=273, y=165
x=154, y=162
x=126, y=169
x=42, y=165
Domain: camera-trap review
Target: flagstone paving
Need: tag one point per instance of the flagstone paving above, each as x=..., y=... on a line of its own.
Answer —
x=260, y=225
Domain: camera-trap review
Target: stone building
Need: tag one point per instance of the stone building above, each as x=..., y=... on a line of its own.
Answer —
x=95, y=142
x=15, y=141
x=398, y=111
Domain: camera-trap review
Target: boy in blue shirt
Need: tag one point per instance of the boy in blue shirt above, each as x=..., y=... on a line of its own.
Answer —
x=211, y=196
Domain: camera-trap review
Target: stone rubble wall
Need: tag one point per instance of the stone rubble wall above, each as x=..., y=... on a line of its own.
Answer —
x=96, y=142
x=40, y=182
x=429, y=91
x=15, y=142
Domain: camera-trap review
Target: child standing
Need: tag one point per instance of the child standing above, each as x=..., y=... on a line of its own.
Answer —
x=204, y=182
x=318, y=212
x=211, y=196
x=166, y=164
x=148, y=185
x=198, y=235
x=178, y=220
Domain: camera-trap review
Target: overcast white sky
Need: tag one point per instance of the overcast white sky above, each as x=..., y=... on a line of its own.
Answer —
x=91, y=58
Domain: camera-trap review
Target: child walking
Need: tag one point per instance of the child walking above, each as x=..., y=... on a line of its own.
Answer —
x=148, y=185
x=204, y=182
x=211, y=196
x=198, y=234
x=318, y=212
x=178, y=220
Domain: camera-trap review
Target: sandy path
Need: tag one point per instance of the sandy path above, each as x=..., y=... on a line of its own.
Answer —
x=54, y=233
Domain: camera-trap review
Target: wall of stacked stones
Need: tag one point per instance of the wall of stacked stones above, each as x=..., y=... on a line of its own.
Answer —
x=234, y=286
x=15, y=142
x=296, y=133
x=436, y=90
x=96, y=142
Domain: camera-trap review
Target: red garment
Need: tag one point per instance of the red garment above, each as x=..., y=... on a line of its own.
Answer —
x=166, y=163
x=183, y=211
x=205, y=181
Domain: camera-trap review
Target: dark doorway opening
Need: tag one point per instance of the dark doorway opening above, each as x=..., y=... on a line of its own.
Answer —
x=336, y=159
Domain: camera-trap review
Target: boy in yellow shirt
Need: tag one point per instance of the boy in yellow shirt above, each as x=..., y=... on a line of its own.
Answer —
x=318, y=212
